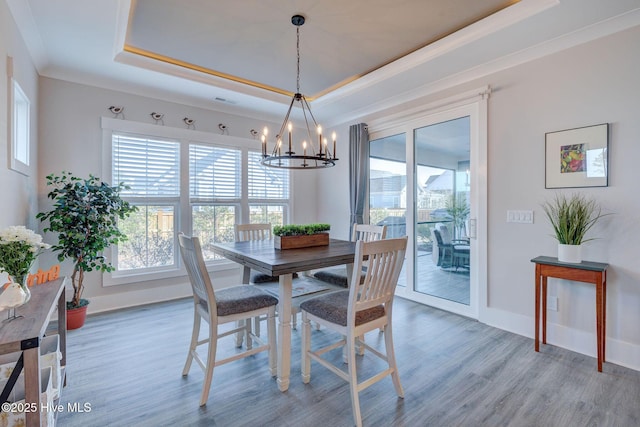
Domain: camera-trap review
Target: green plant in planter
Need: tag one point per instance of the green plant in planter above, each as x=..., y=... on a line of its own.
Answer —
x=85, y=215
x=572, y=217
x=459, y=211
x=299, y=230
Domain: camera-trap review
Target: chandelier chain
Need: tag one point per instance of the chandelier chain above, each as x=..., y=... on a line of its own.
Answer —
x=298, y=56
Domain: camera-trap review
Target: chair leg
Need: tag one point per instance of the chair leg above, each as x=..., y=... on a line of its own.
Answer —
x=273, y=346
x=353, y=380
x=306, y=347
x=247, y=333
x=256, y=325
x=294, y=318
x=239, y=335
x=193, y=344
x=391, y=359
x=211, y=363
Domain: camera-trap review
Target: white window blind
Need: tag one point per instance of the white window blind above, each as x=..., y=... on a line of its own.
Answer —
x=151, y=167
x=265, y=182
x=214, y=172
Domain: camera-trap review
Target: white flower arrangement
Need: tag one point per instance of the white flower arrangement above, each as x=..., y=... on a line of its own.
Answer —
x=19, y=248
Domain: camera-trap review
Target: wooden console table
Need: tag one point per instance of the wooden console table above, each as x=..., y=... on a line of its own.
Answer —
x=25, y=333
x=586, y=271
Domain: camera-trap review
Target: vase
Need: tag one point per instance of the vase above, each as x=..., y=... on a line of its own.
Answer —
x=14, y=295
x=570, y=253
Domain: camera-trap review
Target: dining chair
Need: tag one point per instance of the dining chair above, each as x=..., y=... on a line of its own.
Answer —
x=456, y=250
x=365, y=232
x=233, y=304
x=244, y=232
x=261, y=231
x=352, y=313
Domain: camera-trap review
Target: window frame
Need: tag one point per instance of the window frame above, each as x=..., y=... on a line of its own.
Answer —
x=183, y=216
x=20, y=125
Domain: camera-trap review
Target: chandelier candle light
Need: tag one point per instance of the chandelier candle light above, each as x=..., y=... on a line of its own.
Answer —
x=323, y=157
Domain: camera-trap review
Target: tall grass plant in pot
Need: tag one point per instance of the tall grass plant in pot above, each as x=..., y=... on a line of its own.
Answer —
x=571, y=218
x=85, y=216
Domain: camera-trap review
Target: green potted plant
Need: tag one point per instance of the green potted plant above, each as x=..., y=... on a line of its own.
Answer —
x=571, y=218
x=458, y=210
x=85, y=215
x=292, y=236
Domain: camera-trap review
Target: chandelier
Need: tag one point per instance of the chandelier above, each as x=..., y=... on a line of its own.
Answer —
x=316, y=150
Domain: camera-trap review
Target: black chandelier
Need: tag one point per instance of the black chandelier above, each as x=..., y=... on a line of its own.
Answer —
x=316, y=152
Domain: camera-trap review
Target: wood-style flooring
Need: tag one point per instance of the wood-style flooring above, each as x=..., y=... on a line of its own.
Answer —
x=455, y=372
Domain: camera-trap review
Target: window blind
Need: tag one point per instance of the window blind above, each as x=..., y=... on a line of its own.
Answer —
x=214, y=172
x=150, y=167
x=265, y=182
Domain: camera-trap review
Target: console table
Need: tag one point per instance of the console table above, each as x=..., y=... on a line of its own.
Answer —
x=586, y=271
x=25, y=333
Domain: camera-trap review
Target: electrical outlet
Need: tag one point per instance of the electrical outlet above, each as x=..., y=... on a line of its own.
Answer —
x=552, y=303
x=522, y=217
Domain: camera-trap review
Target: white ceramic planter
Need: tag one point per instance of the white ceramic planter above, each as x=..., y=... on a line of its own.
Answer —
x=570, y=253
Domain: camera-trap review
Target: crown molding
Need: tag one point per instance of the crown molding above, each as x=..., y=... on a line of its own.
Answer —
x=23, y=18
x=584, y=35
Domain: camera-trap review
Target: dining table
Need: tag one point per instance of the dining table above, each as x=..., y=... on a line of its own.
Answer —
x=262, y=256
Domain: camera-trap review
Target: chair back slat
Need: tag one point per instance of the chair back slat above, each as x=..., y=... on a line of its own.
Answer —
x=198, y=275
x=385, y=259
x=368, y=232
x=245, y=232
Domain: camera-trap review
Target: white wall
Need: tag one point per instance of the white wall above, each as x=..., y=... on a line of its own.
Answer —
x=71, y=140
x=589, y=84
x=17, y=191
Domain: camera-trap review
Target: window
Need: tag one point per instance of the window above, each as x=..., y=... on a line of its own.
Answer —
x=20, y=126
x=200, y=187
x=214, y=193
x=268, y=192
x=151, y=169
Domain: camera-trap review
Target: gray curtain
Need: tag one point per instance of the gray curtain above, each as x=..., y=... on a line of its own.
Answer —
x=358, y=171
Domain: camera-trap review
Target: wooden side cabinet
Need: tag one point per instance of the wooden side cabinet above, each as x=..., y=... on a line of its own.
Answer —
x=25, y=335
x=586, y=271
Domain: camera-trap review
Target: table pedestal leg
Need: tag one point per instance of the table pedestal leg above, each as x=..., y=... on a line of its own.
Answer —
x=284, y=329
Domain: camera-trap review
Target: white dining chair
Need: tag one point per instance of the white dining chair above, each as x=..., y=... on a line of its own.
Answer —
x=263, y=231
x=232, y=304
x=351, y=313
x=365, y=232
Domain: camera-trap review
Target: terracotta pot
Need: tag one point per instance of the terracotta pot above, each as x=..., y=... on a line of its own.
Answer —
x=76, y=317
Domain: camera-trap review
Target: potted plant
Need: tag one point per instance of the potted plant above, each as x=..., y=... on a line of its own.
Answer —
x=458, y=210
x=300, y=236
x=85, y=215
x=571, y=218
x=19, y=248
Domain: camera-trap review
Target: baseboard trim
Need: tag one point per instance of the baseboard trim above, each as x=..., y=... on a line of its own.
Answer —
x=618, y=352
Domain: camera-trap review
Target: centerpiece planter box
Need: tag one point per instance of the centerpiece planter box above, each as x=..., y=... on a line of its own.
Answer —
x=301, y=241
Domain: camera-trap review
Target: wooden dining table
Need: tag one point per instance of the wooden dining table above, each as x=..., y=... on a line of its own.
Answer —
x=261, y=255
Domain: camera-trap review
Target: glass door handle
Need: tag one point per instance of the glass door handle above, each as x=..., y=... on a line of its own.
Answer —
x=473, y=228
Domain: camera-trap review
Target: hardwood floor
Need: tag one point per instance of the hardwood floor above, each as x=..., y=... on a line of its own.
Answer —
x=455, y=372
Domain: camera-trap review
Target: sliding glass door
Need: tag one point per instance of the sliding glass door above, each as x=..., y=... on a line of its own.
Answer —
x=422, y=183
x=442, y=187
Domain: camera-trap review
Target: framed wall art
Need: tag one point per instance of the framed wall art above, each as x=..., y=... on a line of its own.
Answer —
x=577, y=157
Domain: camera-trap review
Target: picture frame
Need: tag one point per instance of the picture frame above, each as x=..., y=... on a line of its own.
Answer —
x=577, y=157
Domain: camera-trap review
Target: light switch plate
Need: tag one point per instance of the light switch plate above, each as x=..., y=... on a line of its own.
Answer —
x=523, y=217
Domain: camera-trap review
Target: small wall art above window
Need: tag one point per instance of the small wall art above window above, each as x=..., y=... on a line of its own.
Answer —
x=577, y=157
